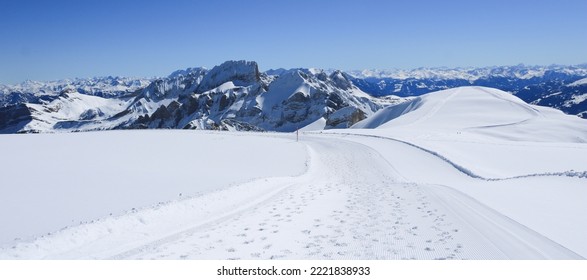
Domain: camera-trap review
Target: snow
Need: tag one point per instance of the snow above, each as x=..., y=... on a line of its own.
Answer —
x=106, y=86
x=225, y=87
x=578, y=82
x=469, y=173
x=282, y=88
x=469, y=73
x=319, y=124
x=546, y=204
x=241, y=73
x=72, y=106
x=576, y=99
x=478, y=111
x=57, y=180
x=186, y=72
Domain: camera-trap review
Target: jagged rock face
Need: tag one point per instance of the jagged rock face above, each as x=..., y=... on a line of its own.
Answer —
x=179, y=84
x=14, y=118
x=299, y=97
x=345, y=118
x=91, y=114
x=236, y=96
x=340, y=80
x=231, y=96
x=240, y=73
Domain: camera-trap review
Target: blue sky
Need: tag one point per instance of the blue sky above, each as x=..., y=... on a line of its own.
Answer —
x=47, y=40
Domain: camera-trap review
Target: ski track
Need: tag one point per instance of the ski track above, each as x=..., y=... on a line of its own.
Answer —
x=352, y=204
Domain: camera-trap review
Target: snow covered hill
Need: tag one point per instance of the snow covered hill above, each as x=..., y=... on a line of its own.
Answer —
x=466, y=173
x=479, y=110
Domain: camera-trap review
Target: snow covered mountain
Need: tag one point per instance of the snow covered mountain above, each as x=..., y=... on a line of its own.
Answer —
x=520, y=71
x=37, y=92
x=231, y=96
x=570, y=98
x=543, y=85
x=237, y=96
x=478, y=111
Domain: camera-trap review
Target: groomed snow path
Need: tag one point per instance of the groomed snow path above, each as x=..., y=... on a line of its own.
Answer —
x=352, y=204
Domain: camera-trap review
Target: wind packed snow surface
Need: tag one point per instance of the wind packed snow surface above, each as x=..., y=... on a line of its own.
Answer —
x=439, y=177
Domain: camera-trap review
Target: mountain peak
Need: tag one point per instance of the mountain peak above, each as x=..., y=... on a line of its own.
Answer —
x=341, y=80
x=240, y=72
x=187, y=72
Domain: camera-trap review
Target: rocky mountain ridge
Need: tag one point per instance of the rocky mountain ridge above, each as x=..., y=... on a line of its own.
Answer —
x=232, y=96
x=236, y=95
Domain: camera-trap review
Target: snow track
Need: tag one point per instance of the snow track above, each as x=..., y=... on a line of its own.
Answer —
x=514, y=240
x=352, y=203
x=468, y=172
x=336, y=212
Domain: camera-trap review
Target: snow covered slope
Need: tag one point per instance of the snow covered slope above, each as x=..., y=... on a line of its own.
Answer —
x=478, y=110
x=52, y=181
x=68, y=112
x=440, y=177
x=517, y=158
x=360, y=198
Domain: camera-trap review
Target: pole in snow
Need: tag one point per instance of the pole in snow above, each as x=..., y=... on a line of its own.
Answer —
x=297, y=135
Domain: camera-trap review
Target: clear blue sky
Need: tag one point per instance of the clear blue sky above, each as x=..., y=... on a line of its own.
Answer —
x=46, y=40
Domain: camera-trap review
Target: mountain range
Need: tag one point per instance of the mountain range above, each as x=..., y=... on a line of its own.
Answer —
x=237, y=96
x=554, y=86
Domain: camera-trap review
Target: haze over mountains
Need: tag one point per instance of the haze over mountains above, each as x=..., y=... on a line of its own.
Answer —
x=237, y=96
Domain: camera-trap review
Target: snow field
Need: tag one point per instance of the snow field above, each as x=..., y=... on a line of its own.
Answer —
x=354, y=202
x=51, y=181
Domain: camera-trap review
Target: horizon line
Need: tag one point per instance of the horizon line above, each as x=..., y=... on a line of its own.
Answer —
x=583, y=64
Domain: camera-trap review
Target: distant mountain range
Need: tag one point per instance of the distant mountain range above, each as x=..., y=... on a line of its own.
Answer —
x=237, y=96
x=553, y=86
